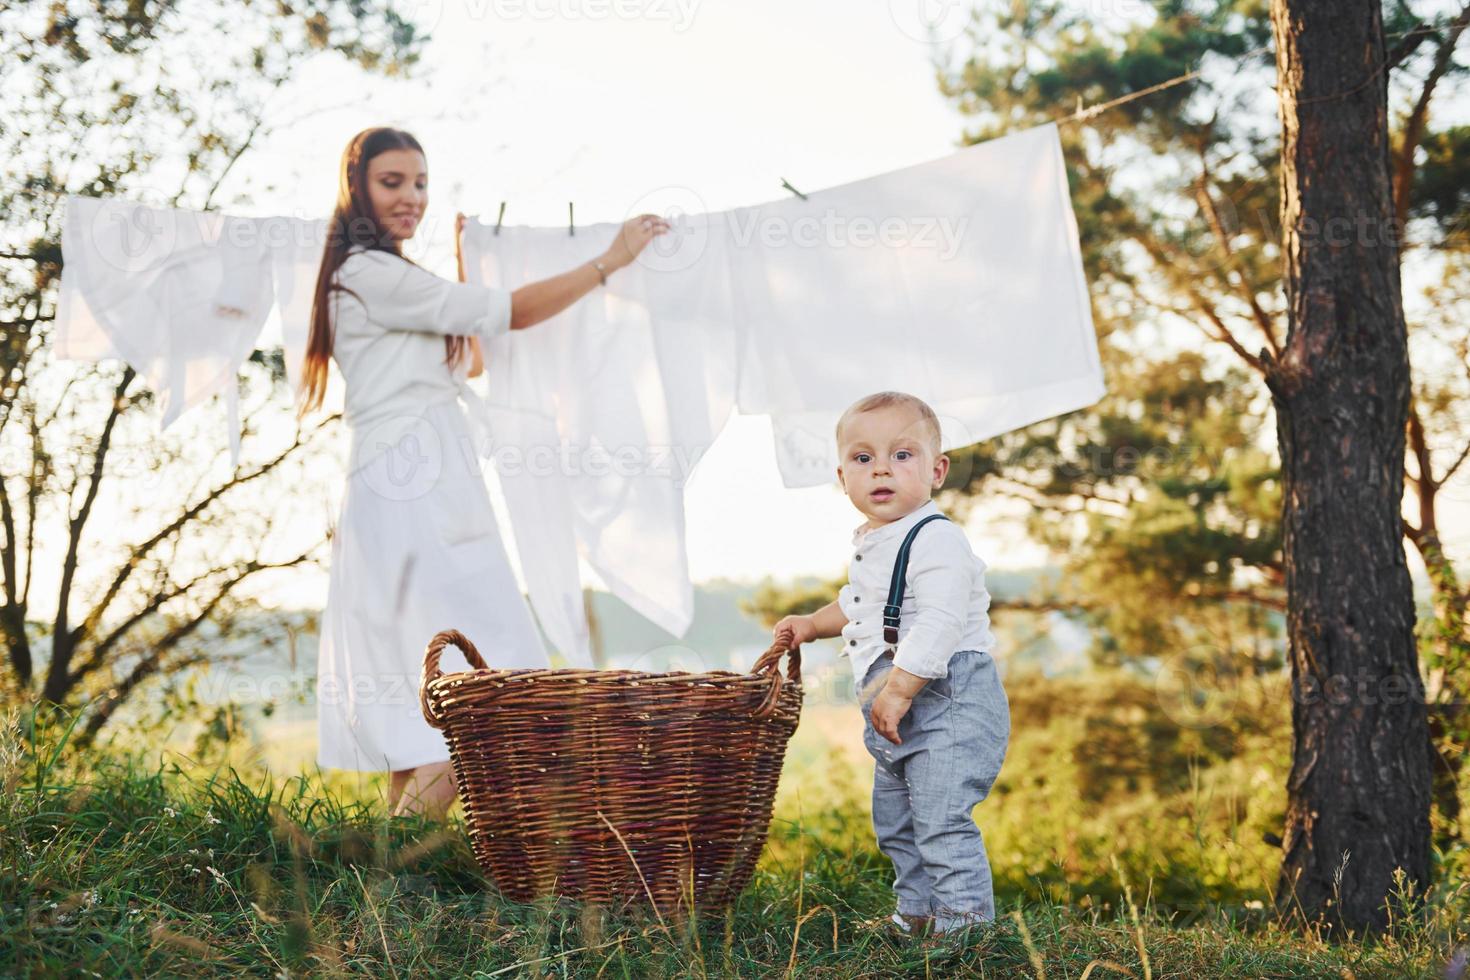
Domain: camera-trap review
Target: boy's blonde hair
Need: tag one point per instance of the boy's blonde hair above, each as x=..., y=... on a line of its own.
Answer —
x=895, y=399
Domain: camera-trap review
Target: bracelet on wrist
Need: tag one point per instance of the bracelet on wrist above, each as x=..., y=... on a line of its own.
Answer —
x=601, y=270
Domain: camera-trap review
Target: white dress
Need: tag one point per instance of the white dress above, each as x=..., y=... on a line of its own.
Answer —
x=416, y=548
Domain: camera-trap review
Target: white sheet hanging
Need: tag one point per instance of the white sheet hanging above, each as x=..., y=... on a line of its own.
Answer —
x=182, y=295
x=959, y=280
x=597, y=416
x=174, y=293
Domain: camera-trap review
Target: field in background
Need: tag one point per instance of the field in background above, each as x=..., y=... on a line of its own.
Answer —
x=1107, y=779
x=1119, y=838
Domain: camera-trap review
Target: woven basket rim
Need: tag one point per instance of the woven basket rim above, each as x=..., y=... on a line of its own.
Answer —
x=537, y=752
x=594, y=675
x=766, y=672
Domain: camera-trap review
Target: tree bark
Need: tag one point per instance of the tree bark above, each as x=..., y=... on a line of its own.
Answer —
x=1358, y=793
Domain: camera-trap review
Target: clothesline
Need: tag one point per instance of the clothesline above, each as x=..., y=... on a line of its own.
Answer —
x=734, y=331
x=975, y=302
x=993, y=329
x=1082, y=114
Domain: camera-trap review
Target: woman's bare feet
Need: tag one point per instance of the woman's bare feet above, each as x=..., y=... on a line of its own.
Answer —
x=429, y=790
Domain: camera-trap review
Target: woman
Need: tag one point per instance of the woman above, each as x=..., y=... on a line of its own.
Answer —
x=416, y=548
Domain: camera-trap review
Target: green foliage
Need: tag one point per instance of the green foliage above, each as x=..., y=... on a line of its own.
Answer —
x=1442, y=190
x=773, y=601
x=156, y=103
x=1106, y=809
x=1163, y=497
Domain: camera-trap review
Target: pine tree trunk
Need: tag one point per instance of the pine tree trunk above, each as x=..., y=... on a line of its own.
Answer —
x=1358, y=793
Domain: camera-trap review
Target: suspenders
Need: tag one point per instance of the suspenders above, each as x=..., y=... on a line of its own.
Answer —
x=895, y=587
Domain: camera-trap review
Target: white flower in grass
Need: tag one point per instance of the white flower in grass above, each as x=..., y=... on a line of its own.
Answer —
x=218, y=877
x=170, y=811
x=209, y=815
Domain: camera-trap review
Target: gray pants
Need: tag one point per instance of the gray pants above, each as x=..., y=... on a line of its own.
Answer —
x=954, y=741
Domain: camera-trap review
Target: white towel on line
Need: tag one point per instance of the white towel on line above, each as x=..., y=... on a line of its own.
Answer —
x=182, y=295
x=959, y=280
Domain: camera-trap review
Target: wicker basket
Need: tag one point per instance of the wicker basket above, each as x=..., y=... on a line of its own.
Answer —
x=615, y=786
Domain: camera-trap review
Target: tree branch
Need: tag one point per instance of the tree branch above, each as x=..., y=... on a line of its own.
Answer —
x=244, y=144
x=1414, y=38
x=1273, y=601
x=94, y=617
x=61, y=647
x=151, y=663
x=1262, y=318
x=1456, y=464
x=13, y=614
x=1419, y=446
x=97, y=655
x=1403, y=174
x=1042, y=500
x=1223, y=334
x=33, y=504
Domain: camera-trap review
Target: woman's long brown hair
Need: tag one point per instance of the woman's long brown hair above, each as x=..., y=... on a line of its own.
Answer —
x=353, y=223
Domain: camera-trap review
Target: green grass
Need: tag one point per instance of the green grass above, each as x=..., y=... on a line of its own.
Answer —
x=113, y=865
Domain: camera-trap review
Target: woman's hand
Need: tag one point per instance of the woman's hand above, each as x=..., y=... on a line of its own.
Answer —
x=632, y=238
x=793, y=631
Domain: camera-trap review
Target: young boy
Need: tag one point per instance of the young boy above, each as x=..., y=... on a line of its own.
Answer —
x=937, y=720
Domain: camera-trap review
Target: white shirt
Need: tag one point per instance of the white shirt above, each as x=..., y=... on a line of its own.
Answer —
x=791, y=309
x=959, y=280
x=391, y=350
x=945, y=605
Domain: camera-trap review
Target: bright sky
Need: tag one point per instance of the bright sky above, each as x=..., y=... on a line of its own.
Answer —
x=619, y=106
x=619, y=110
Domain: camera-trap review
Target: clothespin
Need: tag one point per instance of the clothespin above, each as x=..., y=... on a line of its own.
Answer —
x=1083, y=113
x=500, y=217
x=571, y=225
x=786, y=184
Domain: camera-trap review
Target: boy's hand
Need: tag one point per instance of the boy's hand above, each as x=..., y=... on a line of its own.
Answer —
x=892, y=703
x=794, y=631
x=888, y=710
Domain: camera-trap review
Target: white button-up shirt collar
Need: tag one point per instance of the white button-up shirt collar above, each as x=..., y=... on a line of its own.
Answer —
x=870, y=536
x=945, y=606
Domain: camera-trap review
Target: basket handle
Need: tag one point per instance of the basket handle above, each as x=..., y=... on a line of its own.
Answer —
x=769, y=664
x=431, y=671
